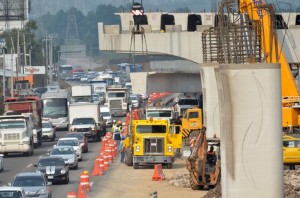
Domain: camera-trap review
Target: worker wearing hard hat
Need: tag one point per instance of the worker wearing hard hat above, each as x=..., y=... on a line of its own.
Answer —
x=114, y=124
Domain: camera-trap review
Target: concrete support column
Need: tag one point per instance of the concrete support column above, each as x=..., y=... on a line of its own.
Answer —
x=251, y=139
x=211, y=112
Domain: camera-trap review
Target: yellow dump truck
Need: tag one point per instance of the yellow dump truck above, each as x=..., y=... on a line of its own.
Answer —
x=152, y=142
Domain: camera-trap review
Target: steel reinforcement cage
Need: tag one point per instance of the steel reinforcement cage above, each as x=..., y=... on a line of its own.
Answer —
x=236, y=38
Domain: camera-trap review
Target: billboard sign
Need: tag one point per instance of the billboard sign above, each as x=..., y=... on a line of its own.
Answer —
x=34, y=70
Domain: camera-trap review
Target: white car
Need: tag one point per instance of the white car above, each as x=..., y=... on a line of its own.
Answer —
x=135, y=100
x=48, y=131
x=1, y=163
x=12, y=191
x=71, y=141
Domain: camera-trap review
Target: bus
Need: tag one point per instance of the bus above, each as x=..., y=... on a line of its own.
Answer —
x=55, y=107
x=65, y=72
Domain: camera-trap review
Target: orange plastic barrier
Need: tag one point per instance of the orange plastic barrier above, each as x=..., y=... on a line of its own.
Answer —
x=71, y=195
x=105, y=159
x=82, y=193
x=101, y=163
x=85, y=180
x=97, y=171
x=158, y=173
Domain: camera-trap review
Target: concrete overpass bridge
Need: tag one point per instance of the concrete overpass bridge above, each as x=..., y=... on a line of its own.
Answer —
x=242, y=102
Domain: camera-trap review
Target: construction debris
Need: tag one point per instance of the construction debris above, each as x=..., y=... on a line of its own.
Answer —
x=180, y=179
x=291, y=183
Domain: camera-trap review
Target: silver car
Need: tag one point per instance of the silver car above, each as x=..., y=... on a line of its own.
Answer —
x=67, y=153
x=1, y=163
x=34, y=184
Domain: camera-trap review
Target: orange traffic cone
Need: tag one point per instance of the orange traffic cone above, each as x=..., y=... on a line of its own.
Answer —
x=105, y=158
x=158, y=174
x=71, y=195
x=80, y=193
x=85, y=180
x=96, y=171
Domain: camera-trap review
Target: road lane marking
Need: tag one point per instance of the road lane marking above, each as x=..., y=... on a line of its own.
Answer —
x=29, y=165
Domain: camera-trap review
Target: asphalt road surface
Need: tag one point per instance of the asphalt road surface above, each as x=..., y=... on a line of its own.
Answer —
x=16, y=163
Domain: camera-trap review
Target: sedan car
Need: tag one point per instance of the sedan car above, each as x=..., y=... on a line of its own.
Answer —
x=1, y=163
x=83, y=141
x=34, y=184
x=12, y=192
x=71, y=141
x=48, y=131
x=67, y=153
x=54, y=168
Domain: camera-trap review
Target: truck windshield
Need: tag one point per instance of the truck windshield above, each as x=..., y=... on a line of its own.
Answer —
x=159, y=114
x=116, y=95
x=55, y=107
x=188, y=102
x=151, y=129
x=79, y=121
x=13, y=124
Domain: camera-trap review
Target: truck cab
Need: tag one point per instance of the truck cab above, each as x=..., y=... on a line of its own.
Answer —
x=118, y=100
x=16, y=134
x=152, y=142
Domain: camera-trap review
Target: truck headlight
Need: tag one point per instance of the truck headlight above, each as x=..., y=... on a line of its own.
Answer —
x=170, y=149
x=137, y=148
x=26, y=140
x=63, y=171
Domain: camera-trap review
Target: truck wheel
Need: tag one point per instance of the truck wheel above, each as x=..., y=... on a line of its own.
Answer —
x=128, y=157
x=169, y=166
x=136, y=165
x=95, y=138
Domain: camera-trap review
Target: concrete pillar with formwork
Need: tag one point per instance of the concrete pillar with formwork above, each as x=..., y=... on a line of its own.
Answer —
x=251, y=136
x=211, y=111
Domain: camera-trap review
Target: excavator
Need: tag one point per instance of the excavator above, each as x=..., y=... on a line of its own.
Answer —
x=245, y=33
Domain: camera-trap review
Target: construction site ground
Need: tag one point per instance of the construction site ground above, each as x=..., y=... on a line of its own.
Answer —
x=123, y=181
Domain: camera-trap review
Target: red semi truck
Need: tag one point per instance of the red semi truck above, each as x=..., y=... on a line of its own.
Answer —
x=32, y=105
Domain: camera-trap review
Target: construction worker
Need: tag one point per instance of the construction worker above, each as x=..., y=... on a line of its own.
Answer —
x=211, y=156
x=114, y=124
x=119, y=125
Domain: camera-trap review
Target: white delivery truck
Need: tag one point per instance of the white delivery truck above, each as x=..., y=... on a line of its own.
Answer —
x=16, y=134
x=81, y=93
x=86, y=118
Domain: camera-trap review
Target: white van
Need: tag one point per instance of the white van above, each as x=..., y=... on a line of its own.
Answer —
x=105, y=112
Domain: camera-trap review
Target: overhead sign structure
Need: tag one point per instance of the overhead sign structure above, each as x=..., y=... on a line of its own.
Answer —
x=34, y=70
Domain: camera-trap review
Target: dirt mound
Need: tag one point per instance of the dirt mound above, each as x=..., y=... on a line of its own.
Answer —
x=291, y=183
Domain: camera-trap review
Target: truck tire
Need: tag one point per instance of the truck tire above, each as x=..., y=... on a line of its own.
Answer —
x=40, y=139
x=128, y=157
x=136, y=165
x=169, y=166
x=95, y=138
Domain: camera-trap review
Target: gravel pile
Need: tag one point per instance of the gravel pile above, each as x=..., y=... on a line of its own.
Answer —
x=180, y=179
x=291, y=184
